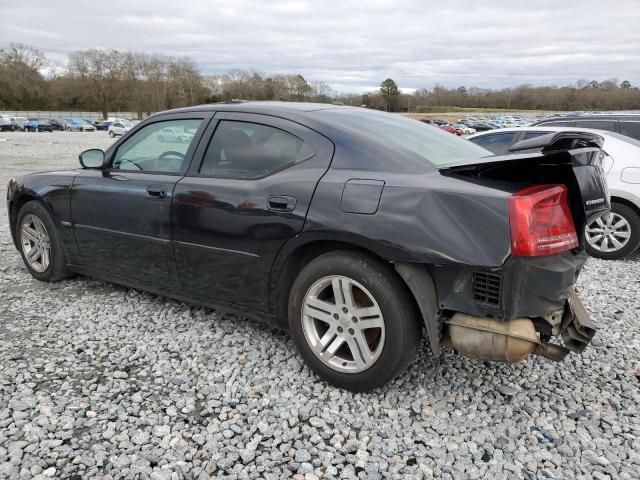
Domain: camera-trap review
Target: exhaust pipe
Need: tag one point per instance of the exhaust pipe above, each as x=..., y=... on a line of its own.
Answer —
x=485, y=338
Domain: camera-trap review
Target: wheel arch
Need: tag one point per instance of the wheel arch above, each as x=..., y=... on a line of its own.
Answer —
x=14, y=206
x=297, y=253
x=625, y=201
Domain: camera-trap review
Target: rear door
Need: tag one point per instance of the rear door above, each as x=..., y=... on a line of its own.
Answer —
x=246, y=194
x=122, y=215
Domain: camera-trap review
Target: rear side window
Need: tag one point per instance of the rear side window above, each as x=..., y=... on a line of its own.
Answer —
x=498, y=144
x=429, y=144
x=529, y=135
x=598, y=124
x=557, y=123
x=630, y=129
x=244, y=150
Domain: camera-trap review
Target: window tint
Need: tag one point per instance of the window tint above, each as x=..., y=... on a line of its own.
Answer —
x=246, y=150
x=498, y=143
x=430, y=144
x=630, y=129
x=599, y=124
x=529, y=135
x=149, y=151
x=556, y=124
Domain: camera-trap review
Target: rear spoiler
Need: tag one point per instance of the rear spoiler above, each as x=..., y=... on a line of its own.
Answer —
x=553, y=142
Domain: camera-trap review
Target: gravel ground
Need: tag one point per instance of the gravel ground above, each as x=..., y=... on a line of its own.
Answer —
x=100, y=381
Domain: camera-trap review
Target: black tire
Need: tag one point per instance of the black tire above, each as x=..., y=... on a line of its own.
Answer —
x=632, y=217
x=57, y=269
x=111, y=134
x=402, y=324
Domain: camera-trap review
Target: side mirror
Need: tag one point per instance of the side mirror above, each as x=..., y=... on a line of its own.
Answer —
x=93, y=158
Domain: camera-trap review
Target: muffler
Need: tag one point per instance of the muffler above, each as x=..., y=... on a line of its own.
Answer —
x=485, y=338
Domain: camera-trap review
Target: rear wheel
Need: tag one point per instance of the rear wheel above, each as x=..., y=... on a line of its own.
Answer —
x=40, y=246
x=614, y=235
x=111, y=134
x=353, y=320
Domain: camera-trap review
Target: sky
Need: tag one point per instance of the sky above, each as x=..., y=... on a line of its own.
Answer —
x=353, y=45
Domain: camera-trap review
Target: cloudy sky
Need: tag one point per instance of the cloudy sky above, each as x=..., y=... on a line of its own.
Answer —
x=353, y=45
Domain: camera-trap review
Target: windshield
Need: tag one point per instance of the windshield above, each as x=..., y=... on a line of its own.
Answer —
x=429, y=143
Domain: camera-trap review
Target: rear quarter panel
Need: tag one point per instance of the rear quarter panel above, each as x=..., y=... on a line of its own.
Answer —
x=424, y=218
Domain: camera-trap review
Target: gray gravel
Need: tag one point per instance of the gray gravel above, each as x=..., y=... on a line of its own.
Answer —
x=100, y=381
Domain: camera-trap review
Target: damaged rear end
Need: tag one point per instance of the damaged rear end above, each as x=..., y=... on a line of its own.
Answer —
x=529, y=304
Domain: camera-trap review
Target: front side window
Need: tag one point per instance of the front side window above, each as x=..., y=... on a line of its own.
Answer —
x=498, y=144
x=149, y=151
x=245, y=150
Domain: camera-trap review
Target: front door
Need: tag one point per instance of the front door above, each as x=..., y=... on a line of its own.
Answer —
x=246, y=194
x=122, y=214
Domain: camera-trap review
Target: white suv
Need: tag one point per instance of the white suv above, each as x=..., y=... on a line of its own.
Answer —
x=119, y=128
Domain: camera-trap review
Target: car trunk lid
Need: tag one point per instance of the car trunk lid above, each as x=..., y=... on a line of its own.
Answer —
x=573, y=159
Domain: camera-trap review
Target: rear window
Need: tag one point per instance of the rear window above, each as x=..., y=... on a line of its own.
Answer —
x=497, y=143
x=529, y=135
x=630, y=129
x=427, y=142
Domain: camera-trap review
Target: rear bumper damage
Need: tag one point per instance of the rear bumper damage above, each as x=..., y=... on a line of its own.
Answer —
x=513, y=340
x=526, y=307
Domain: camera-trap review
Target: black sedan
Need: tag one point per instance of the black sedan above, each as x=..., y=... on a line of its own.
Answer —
x=354, y=229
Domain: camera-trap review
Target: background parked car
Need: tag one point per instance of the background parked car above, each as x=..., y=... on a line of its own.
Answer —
x=78, y=125
x=44, y=126
x=6, y=124
x=19, y=122
x=104, y=125
x=481, y=126
x=451, y=129
x=617, y=234
x=174, y=135
x=31, y=125
x=56, y=124
x=119, y=128
x=466, y=130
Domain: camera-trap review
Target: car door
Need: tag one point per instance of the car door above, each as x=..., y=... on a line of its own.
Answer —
x=121, y=214
x=246, y=194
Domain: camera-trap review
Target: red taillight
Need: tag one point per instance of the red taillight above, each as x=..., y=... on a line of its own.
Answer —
x=540, y=221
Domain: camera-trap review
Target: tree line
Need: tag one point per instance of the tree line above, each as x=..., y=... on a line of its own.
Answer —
x=112, y=80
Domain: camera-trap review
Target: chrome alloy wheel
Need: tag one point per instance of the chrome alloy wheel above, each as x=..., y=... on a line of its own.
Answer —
x=609, y=233
x=35, y=243
x=343, y=324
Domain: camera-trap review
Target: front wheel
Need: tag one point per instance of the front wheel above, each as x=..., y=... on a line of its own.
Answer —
x=40, y=245
x=111, y=134
x=353, y=320
x=614, y=235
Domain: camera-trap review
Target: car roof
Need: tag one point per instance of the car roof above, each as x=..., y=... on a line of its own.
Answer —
x=259, y=106
x=597, y=116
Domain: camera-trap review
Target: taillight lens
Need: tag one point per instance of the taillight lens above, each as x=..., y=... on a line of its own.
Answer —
x=540, y=221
